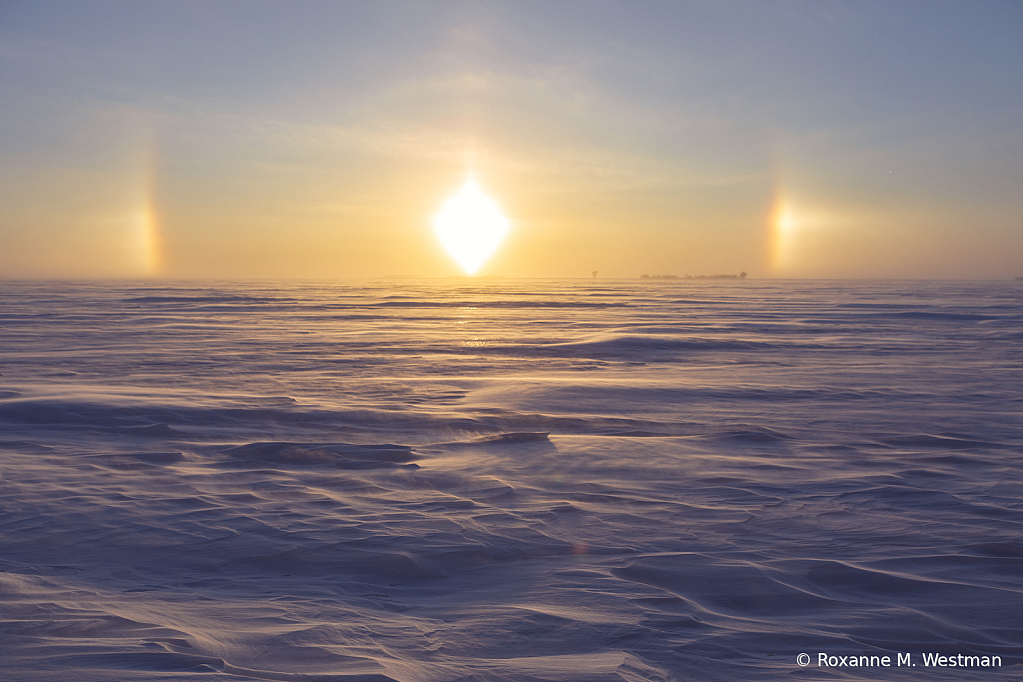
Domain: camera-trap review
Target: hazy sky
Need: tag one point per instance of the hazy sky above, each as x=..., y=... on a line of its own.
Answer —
x=319, y=139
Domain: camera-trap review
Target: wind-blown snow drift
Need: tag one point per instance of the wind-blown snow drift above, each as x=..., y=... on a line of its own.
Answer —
x=562, y=481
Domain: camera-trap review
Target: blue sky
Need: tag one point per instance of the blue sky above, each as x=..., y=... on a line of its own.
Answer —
x=252, y=139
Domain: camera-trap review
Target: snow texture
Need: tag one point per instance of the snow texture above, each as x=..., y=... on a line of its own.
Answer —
x=454, y=480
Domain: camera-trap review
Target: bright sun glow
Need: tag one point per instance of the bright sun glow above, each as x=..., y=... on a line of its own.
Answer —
x=470, y=226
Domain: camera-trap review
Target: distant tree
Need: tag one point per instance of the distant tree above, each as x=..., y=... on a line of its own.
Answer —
x=594, y=274
x=742, y=275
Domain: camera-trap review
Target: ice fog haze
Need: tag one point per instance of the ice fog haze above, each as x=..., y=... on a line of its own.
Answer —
x=262, y=139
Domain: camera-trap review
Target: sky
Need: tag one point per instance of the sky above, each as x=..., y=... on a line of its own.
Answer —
x=251, y=139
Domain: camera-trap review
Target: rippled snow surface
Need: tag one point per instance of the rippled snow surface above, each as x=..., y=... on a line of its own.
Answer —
x=354, y=481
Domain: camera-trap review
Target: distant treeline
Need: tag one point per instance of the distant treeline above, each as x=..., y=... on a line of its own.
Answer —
x=741, y=275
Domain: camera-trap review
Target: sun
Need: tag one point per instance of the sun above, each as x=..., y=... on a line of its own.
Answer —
x=470, y=226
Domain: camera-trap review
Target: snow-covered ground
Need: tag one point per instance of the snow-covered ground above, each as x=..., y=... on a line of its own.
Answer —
x=592, y=481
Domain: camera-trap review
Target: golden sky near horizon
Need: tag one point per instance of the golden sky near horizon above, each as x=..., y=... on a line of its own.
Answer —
x=252, y=139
